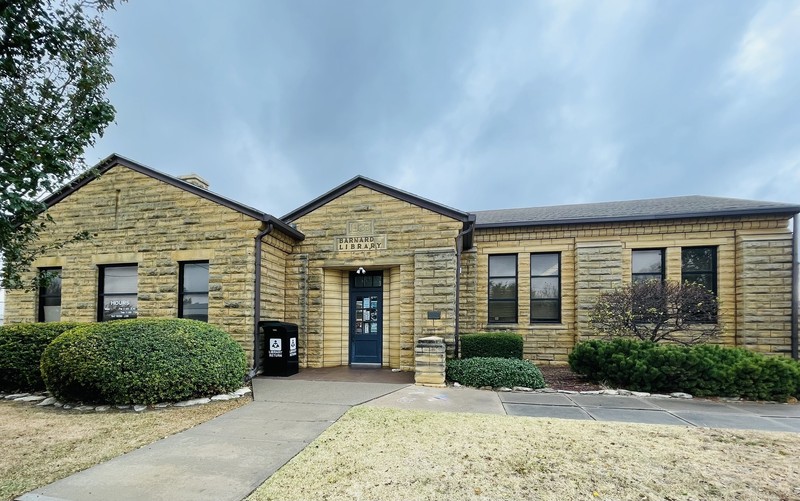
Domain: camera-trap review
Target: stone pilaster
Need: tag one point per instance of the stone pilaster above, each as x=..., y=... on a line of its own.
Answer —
x=430, y=362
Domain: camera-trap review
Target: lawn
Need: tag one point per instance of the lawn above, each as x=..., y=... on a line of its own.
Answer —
x=43, y=445
x=377, y=453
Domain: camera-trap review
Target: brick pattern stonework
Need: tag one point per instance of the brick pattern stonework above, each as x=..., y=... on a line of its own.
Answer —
x=763, y=293
x=753, y=276
x=140, y=220
x=136, y=219
x=317, y=294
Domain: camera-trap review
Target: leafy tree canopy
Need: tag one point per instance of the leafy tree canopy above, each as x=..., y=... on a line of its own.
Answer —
x=55, y=60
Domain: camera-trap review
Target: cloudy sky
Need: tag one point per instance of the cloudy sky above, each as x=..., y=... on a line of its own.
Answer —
x=477, y=105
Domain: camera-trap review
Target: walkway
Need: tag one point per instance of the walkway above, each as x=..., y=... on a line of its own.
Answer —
x=627, y=409
x=228, y=457
x=225, y=458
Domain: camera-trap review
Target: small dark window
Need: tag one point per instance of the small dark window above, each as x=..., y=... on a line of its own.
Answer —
x=546, y=287
x=193, y=296
x=699, y=266
x=50, y=296
x=118, y=297
x=503, y=288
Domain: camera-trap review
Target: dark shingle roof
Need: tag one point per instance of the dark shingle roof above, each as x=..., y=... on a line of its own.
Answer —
x=631, y=210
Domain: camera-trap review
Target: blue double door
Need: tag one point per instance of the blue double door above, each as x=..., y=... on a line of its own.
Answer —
x=366, y=317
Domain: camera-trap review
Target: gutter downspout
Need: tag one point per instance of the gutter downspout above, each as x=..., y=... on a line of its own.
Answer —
x=459, y=249
x=795, y=299
x=257, y=302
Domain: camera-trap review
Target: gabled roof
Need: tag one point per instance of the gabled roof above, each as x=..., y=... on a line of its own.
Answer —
x=631, y=210
x=114, y=160
x=381, y=188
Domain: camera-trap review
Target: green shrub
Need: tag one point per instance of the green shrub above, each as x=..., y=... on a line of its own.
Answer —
x=142, y=361
x=492, y=371
x=491, y=344
x=702, y=370
x=21, y=348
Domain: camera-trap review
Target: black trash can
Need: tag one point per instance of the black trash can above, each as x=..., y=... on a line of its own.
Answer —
x=278, y=348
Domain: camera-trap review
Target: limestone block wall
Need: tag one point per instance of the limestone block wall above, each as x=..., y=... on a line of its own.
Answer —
x=753, y=275
x=274, y=249
x=136, y=219
x=468, y=315
x=599, y=269
x=763, y=292
x=406, y=228
x=435, y=291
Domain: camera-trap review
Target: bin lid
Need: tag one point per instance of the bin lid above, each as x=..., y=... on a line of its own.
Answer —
x=275, y=325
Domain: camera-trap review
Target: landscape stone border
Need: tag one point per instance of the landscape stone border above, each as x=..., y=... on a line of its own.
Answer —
x=43, y=399
x=627, y=393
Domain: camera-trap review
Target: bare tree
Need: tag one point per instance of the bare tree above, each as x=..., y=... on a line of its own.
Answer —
x=655, y=311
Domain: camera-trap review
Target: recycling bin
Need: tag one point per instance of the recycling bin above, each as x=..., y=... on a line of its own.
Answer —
x=279, y=348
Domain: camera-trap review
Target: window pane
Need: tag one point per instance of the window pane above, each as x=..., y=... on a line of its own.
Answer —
x=118, y=279
x=544, y=287
x=377, y=281
x=502, y=311
x=503, y=288
x=704, y=279
x=116, y=307
x=195, y=307
x=544, y=264
x=503, y=266
x=698, y=259
x=195, y=277
x=54, y=287
x=545, y=310
x=646, y=261
x=644, y=277
x=52, y=313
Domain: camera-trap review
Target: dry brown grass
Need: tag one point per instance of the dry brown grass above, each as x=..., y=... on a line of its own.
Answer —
x=377, y=453
x=40, y=445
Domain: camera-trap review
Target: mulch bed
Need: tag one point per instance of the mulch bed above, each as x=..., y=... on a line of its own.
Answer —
x=561, y=377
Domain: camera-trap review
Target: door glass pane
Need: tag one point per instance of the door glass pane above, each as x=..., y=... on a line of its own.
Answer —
x=544, y=264
x=503, y=266
x=118, y=279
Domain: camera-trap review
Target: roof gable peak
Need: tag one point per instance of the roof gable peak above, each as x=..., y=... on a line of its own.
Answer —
x=381, y=188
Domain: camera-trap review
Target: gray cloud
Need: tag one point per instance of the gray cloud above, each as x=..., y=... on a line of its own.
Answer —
x=474, y=104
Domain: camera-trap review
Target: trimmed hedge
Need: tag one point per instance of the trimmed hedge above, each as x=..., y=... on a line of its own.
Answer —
x=142, y=361
x=495, y=372
x=702, y=370
x=491, y=344
x=21, y=348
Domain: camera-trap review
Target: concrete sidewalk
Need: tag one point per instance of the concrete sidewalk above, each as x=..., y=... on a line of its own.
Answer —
x=627, y=409
x=225, y=458
x=228, y=457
